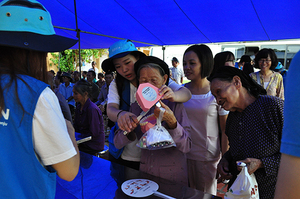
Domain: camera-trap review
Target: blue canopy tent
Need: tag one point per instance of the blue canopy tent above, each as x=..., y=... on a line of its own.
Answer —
x=175, y=22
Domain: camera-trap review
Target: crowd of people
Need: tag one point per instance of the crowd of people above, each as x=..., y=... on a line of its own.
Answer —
x=226, y=113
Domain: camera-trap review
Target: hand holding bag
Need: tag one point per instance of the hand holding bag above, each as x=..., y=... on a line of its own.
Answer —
x=244, y=187
x=156, y=137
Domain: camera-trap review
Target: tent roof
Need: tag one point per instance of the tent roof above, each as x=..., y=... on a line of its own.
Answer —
x=176, y=22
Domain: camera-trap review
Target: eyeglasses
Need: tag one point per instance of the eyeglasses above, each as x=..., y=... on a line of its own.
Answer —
x=267, y=61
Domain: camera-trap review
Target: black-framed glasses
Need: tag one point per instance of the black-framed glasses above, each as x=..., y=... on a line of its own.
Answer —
x=266, y=61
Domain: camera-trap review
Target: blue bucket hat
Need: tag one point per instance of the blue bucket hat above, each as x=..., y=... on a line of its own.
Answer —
x=27, y=24
x=117, y=50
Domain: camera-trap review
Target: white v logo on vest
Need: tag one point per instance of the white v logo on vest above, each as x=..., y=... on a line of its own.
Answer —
x=5, y=114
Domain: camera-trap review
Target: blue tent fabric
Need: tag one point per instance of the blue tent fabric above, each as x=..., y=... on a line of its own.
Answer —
x=176, y=22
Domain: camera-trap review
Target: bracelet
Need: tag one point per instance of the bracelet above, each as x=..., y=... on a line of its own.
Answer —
x=119, y=114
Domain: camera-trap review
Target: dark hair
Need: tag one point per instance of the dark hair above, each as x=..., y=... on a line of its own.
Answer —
x=14, y=61
x=120, y=79
x=93, y=73
x=221, y=58
x=248, y=68
x=175, y=59
x=264, y=53
x=101, y=75
x=205, y=57
x=109, y=73
x=245, y=58
x=226, y=73
x=83, y=86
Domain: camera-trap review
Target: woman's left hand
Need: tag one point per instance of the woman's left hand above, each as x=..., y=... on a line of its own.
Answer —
x=168, y=115
x=252, y=164
x=167, y=93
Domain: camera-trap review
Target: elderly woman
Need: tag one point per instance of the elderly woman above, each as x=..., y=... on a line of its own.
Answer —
x=169, y=163
x=254, y=128
x=266, y=60
x=122, y=57
x=88, y=119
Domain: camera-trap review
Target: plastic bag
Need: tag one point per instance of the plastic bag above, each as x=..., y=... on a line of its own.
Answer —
x=244, y=186
x=156, y=137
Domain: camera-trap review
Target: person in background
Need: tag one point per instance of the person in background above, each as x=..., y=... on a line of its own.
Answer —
x=35, y=143
x=102, y=98
x=61, y=99
x=225, y=58
x=207, y=119
x=253, y=127
x=52, y=72
x=57, y=81
x=289, y=170
x=94, y=68
x=66, y=89
x=244, y=59
x=88, y=119
x=272, y=81
x=248, y=68
x=283, y=72
x=91, y=75
x=76, y=76
x=101, y=80
x=84, y=74
x=122, y=90
x=168, y=163
x=177, y=73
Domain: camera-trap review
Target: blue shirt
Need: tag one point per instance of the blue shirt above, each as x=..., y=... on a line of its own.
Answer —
x=177, y=74
x=67, y=92
x=290, y=142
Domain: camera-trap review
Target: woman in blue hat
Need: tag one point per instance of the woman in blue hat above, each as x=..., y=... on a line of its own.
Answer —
x=122, y=57
x=34, y=136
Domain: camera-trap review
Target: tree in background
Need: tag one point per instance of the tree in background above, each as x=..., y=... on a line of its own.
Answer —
x=68, y=60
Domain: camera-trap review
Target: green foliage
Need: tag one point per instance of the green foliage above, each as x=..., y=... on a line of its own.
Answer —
x=67, y=60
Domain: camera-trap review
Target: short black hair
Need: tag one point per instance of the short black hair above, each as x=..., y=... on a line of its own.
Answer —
x=175, y=59
x=221, y=58
x=93, y=73
x=245, y=58
x=205, y=57
x=109, y=73
x=264, y=53
x=101, y=75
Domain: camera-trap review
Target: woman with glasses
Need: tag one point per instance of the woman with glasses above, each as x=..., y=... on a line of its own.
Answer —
x=272, y=81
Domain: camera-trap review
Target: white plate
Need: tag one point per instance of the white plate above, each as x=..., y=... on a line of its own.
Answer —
x=139, y=187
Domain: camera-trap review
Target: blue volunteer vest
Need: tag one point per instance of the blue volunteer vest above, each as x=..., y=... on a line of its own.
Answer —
x=124, y=105
x=22, y=175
